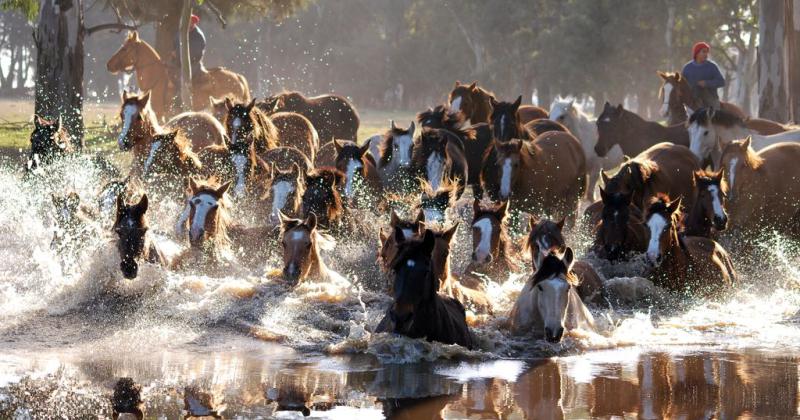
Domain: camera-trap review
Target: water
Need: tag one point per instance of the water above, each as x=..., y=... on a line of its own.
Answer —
x=71, y=327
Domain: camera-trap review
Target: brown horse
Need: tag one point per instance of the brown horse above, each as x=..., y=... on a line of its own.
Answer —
x=284, y=192
x=475, y=104
x=326, y=155
x=688, y=263
x=763, y=187
x=506, y=122
x=171, y=161
x=708, y=211
x=546, y=238
x=134, y=244
x=251, y=134
x=297, y=131
x=333, y=116
x=140, y=125
x=491, y=245
x=207, y=219
x=620, y=230
x=434, y=204
x=407, y=229
x=393, y=152
x=676, y=95
x=632, y=133
x=49, y=142
x=153, y=75
x=543, y=176
x=321, y=196
x=438, y=155
x=543, y=125
x=359, y=170
x=664, y=168
x=301, y=242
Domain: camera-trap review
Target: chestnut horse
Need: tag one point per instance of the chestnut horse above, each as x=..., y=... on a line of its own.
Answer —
x=388, y=245
x=708, y=211
x=676, y=96
x=321, y=196
x=684, y=263
x=618, y=126
x=506, y=121
x=491, y=245
x=153, y=75
x=438, y=155
x=301, y=242
x=475, y=104
x=251, y=134
x=359, y=170
x=393, y=151
x=207, y=219
x=763, y=187
x=543, y=176
x=333, y=116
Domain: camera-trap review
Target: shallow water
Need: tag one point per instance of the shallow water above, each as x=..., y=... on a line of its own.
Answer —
x=71, y=326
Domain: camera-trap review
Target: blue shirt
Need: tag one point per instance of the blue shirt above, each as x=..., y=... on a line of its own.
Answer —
x=708, y=71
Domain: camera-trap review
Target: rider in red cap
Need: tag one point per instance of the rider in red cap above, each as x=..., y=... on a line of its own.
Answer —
x=703, y=76
x=197, y=46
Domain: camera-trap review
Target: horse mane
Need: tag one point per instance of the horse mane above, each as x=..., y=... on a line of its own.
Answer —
x=147, y=112
x=447, y=186
x=660, y=205
x=457, y=124
x=185, y=151
x=553, y=266
x=721, y=117
x=708, y=177
x=332, y=177
x=752, y=158
x=645, y=168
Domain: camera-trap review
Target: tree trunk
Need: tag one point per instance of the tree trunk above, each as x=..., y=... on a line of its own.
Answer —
x=772, y=87
x=59, y=64
x=792, y=48
x=167, y=31
x=186, y=68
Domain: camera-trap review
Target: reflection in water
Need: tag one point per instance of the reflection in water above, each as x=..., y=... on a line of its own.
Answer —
x=263, y=382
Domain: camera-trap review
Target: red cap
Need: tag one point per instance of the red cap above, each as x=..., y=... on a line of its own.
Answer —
x=194, y=19
x=699, y=46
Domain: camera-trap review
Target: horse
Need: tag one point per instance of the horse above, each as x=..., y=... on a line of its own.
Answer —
x=548, y=304
x=684, y=263
x=50, y=141
x=663, y=168
x=393, y=153
x=618, y=126
x=73, y=225
x=676, y=96
x=359, y=170
x=407, y=229
x=134, y=244
x=418, y=310
x=140, y=125
x=434, y=203
x=474, y=103
x=543, y=125
x=153, y=75
x=285, y=191
x=545, y=176
x=708, y=211
x=506, y=122
x=301, y=242
x=620, y=230
x=763, y=187
x=206, y=216
x=710, y=130
x=579, y=124
x=171, y=160
x=296, y=130
x=475, y=138
x=491, y=245
x=438, y=155
x=321, y=196
x=326, y=155
x=333, y=116
x=546, y=238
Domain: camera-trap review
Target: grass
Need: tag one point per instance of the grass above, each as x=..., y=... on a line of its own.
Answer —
x=16, y=124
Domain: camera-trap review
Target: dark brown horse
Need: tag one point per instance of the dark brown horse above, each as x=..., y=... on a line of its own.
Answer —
x=358, y=167
x=334, y=117
x=321, y=196
x=506, y=122
x=407, y=229
x=171, y=161
x=301, y=242
x=133, y=243
x=49, y=142
x=418, y=310
x=618, y=126
x=620, y=230
x=245, y=123
x=544, y=176
x=708, y=211
x=438, y=155
x=297, y=131
x=491, y=245
x=475, y=103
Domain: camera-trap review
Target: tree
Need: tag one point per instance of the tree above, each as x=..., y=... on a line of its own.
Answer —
x=771, y=77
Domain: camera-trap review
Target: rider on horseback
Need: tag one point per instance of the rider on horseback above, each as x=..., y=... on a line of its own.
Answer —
x=703, y=76
x=197, y=46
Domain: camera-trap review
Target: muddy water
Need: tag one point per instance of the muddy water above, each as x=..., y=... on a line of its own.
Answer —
x=70, y=326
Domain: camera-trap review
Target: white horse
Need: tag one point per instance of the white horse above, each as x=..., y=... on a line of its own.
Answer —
x=549, y=304
x=711, y=130
x=566, y=113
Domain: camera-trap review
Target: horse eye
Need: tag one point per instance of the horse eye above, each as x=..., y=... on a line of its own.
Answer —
x=705, y=133
x=539, y=286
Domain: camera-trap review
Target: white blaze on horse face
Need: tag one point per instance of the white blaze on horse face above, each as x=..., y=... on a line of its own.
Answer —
x=435, y=170
x=239, y=164
x=455, y=106
x=505, y=179
x=502, y=125
x=732, y=172
x=236, y=124
x=352, y=166
x=552, y=302
x=716, y=201
x=127, y=119
x=701, y=140
x=483, y=248
x=280, y=194
x=665, y=104
x=407, y=233
x=203, y=204
x=180, y=225
x=153, y=149
x=657, y=223
x=403, y=147
x=433, y=216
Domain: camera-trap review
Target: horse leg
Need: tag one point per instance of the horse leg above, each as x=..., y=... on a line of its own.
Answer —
x=593, y=169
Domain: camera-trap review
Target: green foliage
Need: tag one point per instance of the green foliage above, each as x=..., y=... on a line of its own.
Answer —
x=30, y=8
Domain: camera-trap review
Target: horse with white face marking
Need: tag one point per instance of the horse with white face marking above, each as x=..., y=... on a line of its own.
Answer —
x=763, y=187
x=585, y=129
x=506, y=121
x=322, y=197
x=677, y=99
x=543, y=176
x=398, y=228
x=206, y=217
x=438, y=155
x=434, y=204
x=170, y=161
x=684, y=263
x=475, y=104
x=361, y=176
x=711, y=130
x=491, y=245
x=632, y=133
x=549, y=305
x=393, y=150
x=134, y=244
x=708, y=211
x=285, y=192
x=301, y=242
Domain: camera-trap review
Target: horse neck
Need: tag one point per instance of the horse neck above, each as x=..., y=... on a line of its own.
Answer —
x=148, y=65
x=317, y=268
x=481, y=108
x=677, y=113
x=697, y=224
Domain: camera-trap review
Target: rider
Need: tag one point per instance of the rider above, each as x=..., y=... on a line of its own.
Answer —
x=703, y=76
x=197, y=46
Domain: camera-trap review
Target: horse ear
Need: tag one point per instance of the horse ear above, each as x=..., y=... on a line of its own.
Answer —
x=411, y=129
x=144, y=100
x=58, y=123
x=295, y=169
x=338, y=145
x=420, y=218
x=398, y=235
x=561, y=223
x=448, y=234
x=38, y=121
x=604, y=176
x=473, y=85
x=428, y=242
x=141, y=206
x=720, y=174
x=224, y=188
x=364, y=149
x=569, y=258
x=503, y=208
x=193, y=185
x=120, y=203
x=606, y=106
x=674, y=205
x=251, y=105
x=619, y=109
x=518, y=102
x=382, y=236
x=228, y=103
x=134, y=36
x=283, y=218
x=458, y=83
x=678, y=76
x=711, y=112
x=493, y=101
x=572, y=103
x=603, y=195
x=746, y=142
x=394, y=219
x=392, y=125
x=311, y=221
x=533, y=220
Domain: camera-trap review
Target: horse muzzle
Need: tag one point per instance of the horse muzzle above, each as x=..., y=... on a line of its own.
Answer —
x=130, y=269
x=553, y=335
x=291, y=273
x=720, y=223
x=482, y=259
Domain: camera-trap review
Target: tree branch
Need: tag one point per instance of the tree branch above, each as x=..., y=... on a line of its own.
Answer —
x=110, y=26
x=217, y=13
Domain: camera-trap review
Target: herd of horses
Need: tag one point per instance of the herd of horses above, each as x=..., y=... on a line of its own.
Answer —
x=290, y=173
